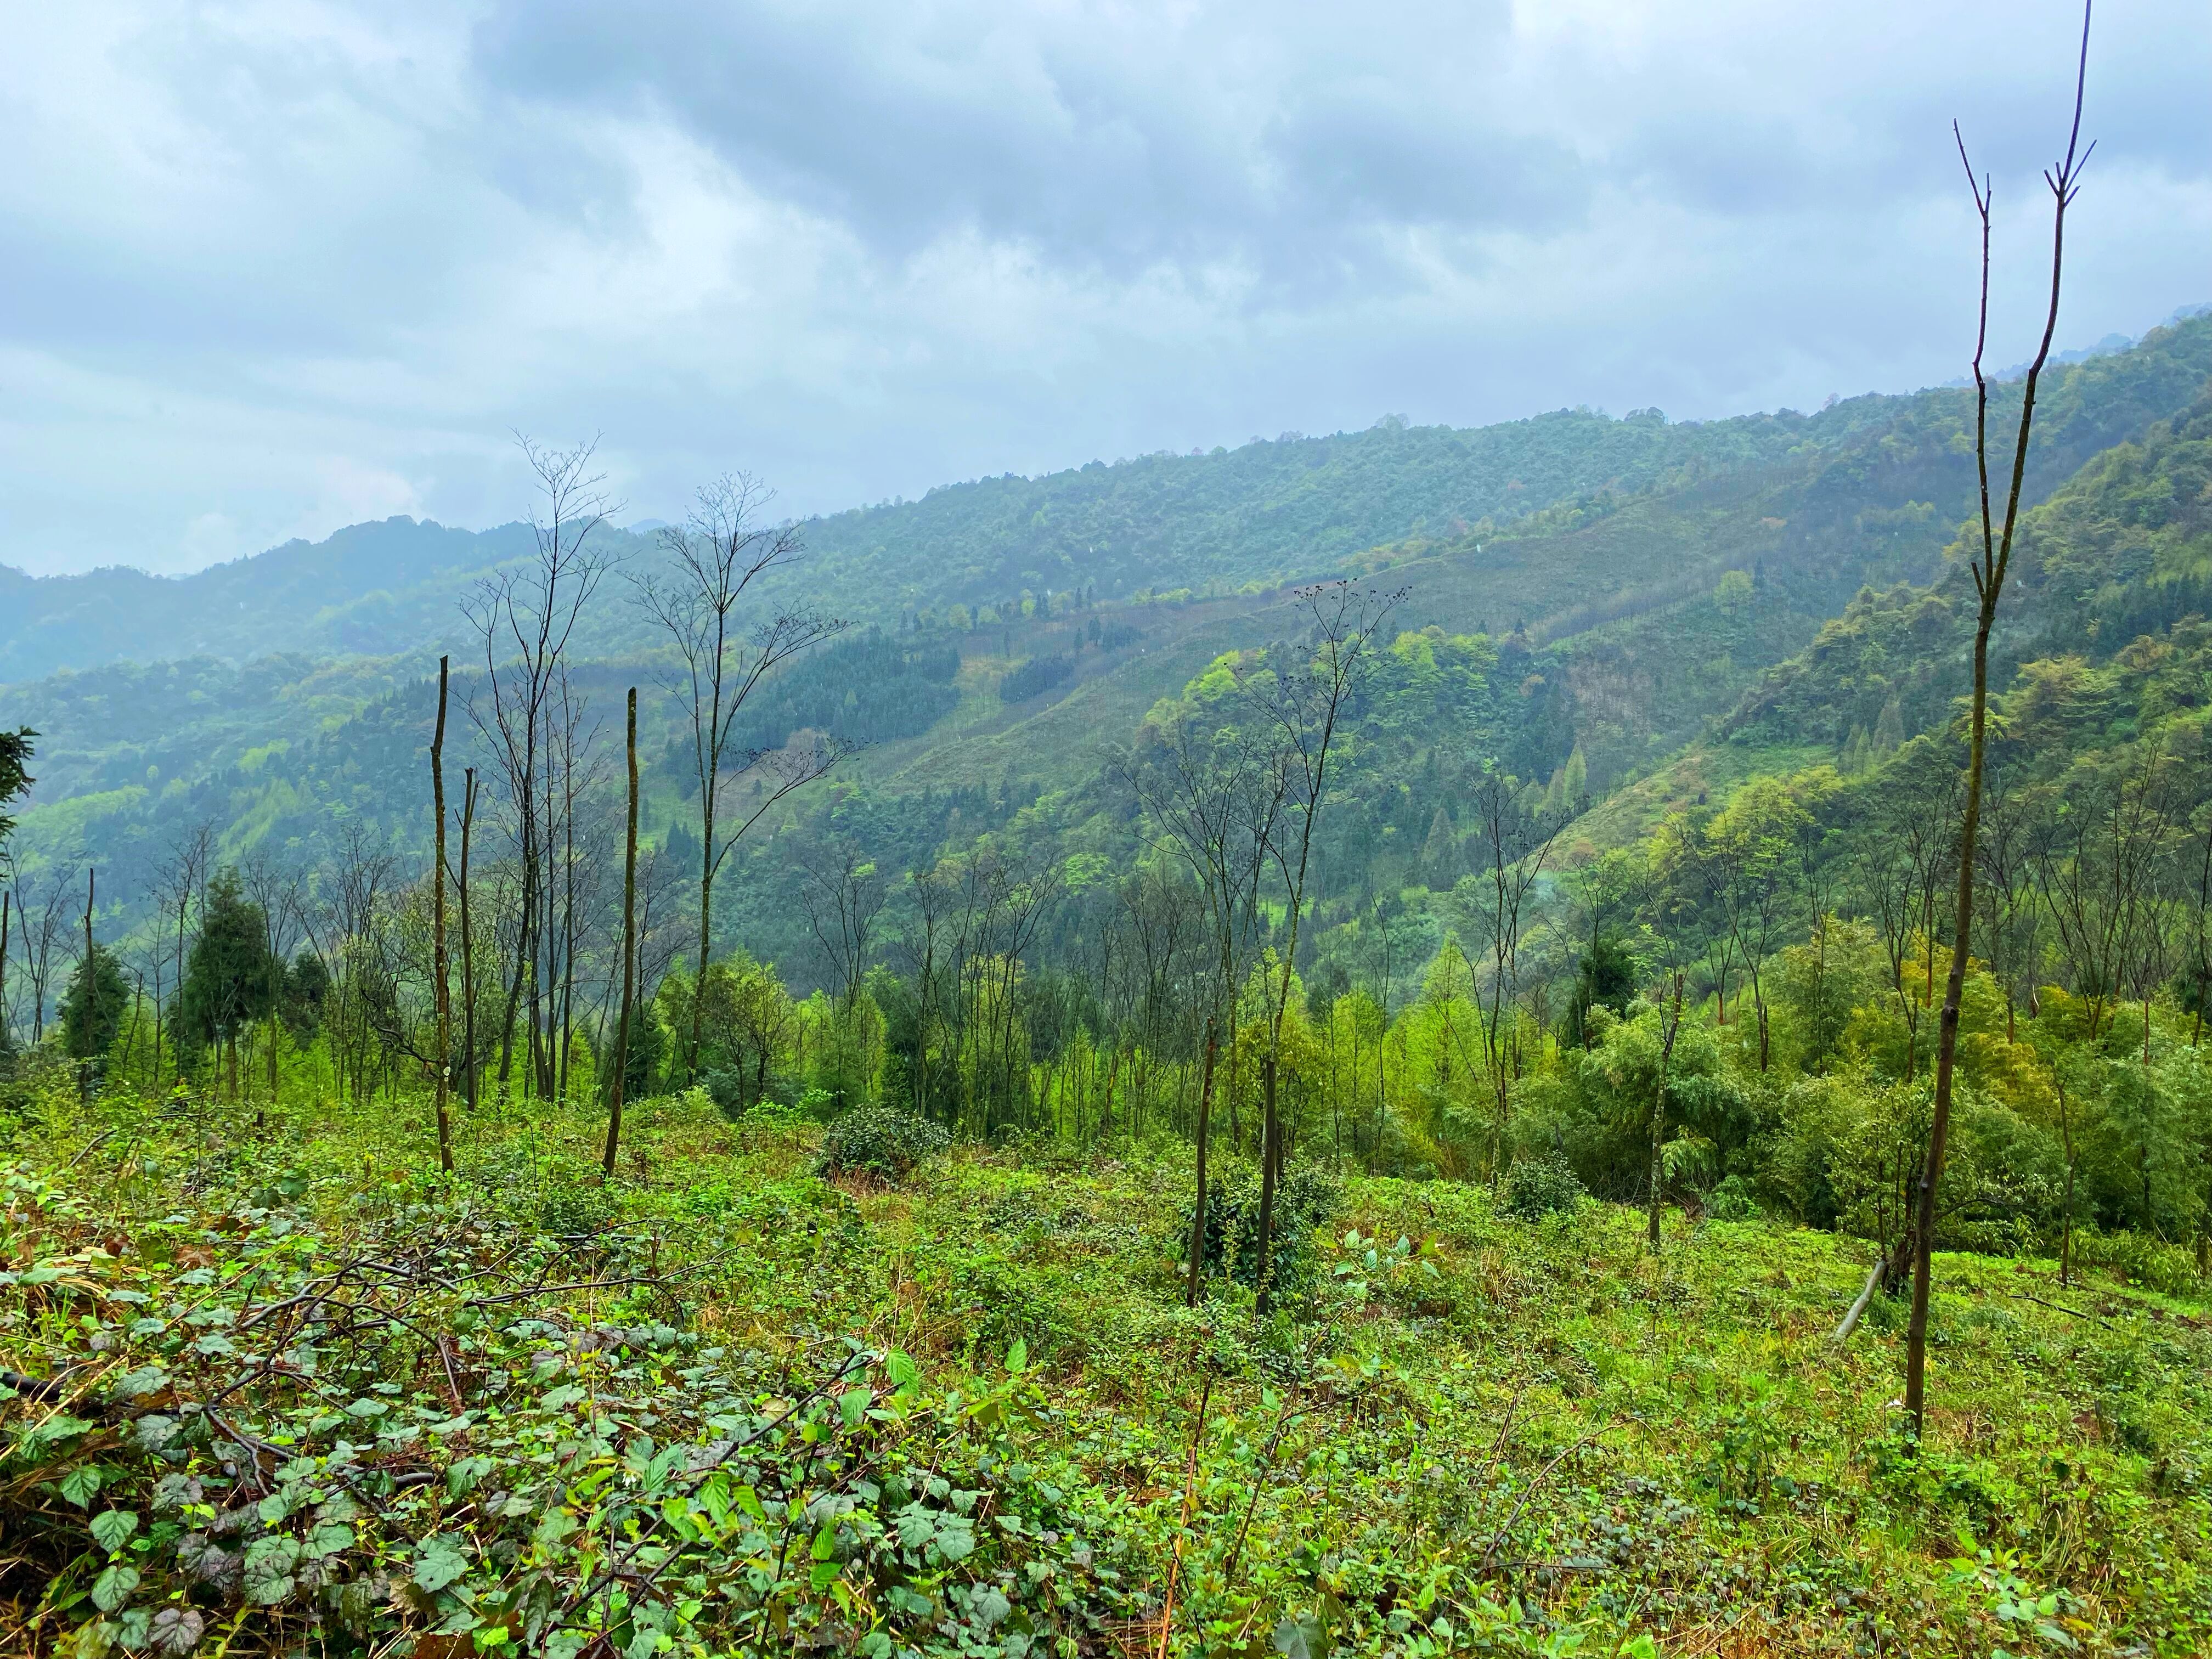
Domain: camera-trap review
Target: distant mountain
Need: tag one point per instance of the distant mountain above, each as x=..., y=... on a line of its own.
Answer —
x=1267, y=511
x=1637, y=580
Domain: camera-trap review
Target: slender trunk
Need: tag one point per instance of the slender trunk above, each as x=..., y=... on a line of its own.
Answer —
x=468, y=948
x=1947, y=1037
x=442, y=989
x=524, y=946
x=7, y=1028
x=1270, y=1149
x=1197, y=1216
x=1666, y=1036
x=629, y=952
x=1989, y=580
x=707, y=785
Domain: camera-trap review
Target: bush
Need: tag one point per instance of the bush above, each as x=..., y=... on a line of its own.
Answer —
x=728, y=1087
x=1305, y=1201
x=1732, y=1200
x=2140, y=1260
x=880, y=1141
x=1541, y=1186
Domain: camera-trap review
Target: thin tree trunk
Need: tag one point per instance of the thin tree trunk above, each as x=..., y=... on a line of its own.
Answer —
x=1270, y=1146
x=1198, y=1217
x=442, y=990
x=629, y=952
x=468, y=947
x=1989, y=580
x=706, y=880
x=1666, y=1036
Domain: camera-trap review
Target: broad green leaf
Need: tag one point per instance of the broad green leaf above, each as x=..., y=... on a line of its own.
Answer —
x=113, y=1587
x=1017, y=1356
x=81, y=1484
x=267, y=1573
x=439, y=1562
x=112, y=1528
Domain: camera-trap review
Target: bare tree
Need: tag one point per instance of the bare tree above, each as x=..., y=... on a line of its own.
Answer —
x=181, y=885
x=2010, y=930
x=1210, y=795
x=45, y=923
x=1989, y=566
x=628, y=953
x=275, y=893
x=525, y=616
x=1306, y=704
x=1496, y=903
x=842, y=894
x=441, y=985
x=472, y=1062
x=713, y=562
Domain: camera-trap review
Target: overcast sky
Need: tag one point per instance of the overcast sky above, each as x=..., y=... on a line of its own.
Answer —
x=267, y=270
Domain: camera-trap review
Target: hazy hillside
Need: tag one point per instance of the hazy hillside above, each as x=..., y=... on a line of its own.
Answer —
x=1637, y=581
x=1266, y=512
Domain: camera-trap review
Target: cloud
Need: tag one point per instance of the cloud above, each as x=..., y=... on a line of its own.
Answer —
x=278, y=264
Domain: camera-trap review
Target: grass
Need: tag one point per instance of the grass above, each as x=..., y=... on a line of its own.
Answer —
x=1469, y=1433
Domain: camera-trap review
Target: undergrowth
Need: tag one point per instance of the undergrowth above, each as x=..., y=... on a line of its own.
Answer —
x=276, y=1385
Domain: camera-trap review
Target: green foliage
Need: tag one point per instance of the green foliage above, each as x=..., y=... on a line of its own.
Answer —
x=15, y=751
x=229, y=978
x=497, y=1495
x=880, y=1141
x=1537, y=1186
x=1306, y=1201
x=1035, y=677
x=93, y=1005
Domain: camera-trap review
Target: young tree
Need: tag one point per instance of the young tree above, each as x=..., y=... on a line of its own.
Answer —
x=1210, y=794
x=1989, y=565
x=94, y=1004
x=441, y=989
x=1306, y=704
x=1496, y=904
x=526, y=616
x=712, y=562
x=44, y=925
x=629, y=955
x=228, y=979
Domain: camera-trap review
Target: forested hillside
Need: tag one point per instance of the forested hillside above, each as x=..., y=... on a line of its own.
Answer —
x=1122, y=1093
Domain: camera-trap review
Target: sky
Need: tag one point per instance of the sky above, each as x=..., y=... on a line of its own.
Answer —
x=270, y=268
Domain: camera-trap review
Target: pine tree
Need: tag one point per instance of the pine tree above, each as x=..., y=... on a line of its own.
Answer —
x=229, y=978
x=93, y=1005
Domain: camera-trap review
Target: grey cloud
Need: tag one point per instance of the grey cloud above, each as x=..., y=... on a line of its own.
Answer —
x=1110, y=147
x=272, y=270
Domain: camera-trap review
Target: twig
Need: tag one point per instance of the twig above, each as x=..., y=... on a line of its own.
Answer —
x=1189, y=1501
x=1542, y=1475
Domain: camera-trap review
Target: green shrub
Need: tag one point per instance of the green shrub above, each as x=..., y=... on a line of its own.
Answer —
x=1732, y=1200
x=2141, y=1260
x=1305, y=1201
x=1541, y=1186
x=880, y=1141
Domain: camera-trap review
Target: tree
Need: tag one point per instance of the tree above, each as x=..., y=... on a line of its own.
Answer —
x=227, y=980
x=1209, y=793
x=1306, y=705
x=713, y=562
x=526, y=615
x=94, y=1004
x=1496, y=904
x=1989, y=565
x=442, y=989
x=15, y=751
x=621, y=1069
